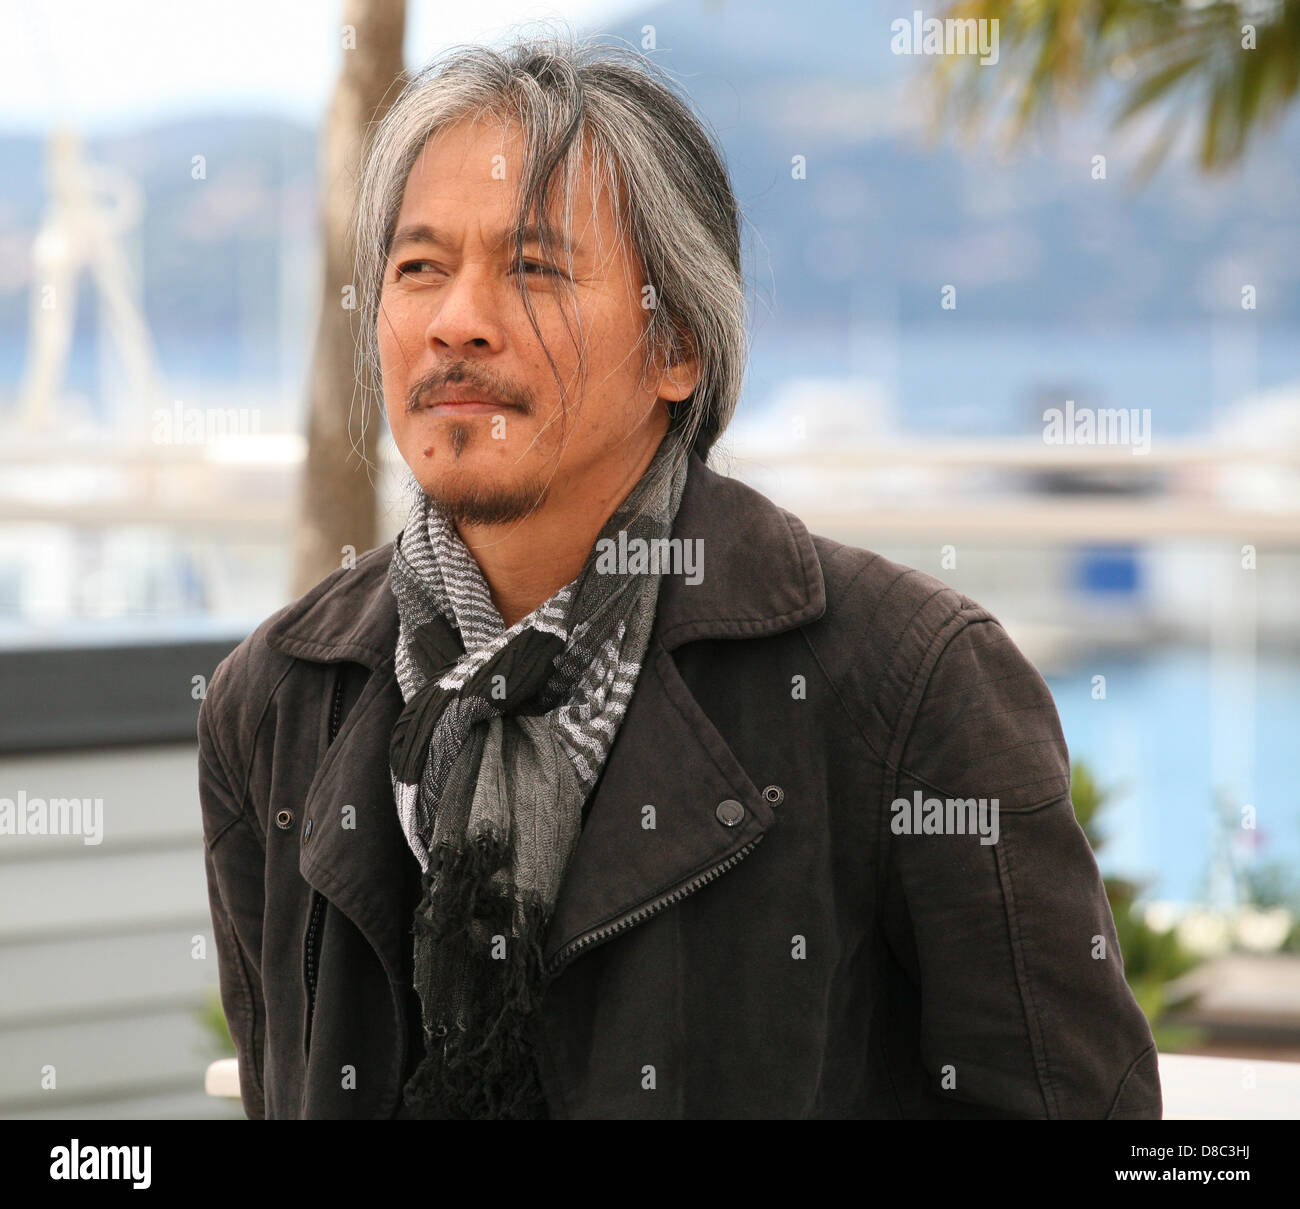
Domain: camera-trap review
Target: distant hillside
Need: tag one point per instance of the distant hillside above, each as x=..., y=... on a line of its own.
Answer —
x=882, y=220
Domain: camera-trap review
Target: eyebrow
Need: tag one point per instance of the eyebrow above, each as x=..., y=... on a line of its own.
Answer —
x=425, y=233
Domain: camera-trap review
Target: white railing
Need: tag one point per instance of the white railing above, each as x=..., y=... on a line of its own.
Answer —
x=1193, y=1088
x=901, y=487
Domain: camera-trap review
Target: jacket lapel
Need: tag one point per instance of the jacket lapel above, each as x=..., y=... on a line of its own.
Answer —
x=367, y=870
x=359, y=857
x=653, y=830
x=761, y=576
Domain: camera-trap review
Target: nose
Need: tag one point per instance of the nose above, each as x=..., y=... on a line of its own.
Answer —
x=467, y=312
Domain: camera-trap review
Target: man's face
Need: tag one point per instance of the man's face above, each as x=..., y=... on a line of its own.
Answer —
x=453, y=327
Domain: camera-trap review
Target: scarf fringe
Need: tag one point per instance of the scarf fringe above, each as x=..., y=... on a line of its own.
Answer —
x=479, y=1062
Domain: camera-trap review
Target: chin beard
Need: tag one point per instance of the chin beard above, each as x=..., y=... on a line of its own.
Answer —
x=488, y=506
x=475, y=504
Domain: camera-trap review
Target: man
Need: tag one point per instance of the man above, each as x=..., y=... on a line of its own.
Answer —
x=606, y=790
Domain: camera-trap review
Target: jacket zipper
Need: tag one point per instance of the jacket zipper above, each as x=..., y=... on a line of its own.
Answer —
x=317, y=898
x=647, y=910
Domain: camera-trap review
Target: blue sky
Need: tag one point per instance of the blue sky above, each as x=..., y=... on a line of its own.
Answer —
x=108, y=66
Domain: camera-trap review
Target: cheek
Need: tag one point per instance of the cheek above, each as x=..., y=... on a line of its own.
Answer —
x=622, y=336
x=617, y=362
x=394, y=383
x=393, y=331
x=392, y=335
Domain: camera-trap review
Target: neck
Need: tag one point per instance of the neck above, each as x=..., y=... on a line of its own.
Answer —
x=526, y=562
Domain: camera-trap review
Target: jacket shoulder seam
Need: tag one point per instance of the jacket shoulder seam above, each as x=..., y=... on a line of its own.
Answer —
x=955, y=624
x=1050, y=800
x=888, y=662
x=859, y=727
x=928, y=664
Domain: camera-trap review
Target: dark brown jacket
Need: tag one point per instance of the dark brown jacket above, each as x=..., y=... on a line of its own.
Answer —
x=770, y=947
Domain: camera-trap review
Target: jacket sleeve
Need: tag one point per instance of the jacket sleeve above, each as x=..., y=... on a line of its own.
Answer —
x=1025, y=1010
x=235, y=858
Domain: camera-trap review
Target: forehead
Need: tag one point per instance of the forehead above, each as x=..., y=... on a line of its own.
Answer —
x=465, y=183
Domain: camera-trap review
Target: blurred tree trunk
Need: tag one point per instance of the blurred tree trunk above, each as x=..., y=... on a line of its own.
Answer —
x=336, y=506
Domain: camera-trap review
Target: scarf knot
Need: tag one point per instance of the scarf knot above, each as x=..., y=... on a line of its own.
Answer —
x=513, y=680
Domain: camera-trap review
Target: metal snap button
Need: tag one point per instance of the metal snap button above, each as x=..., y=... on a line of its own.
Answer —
x=774, y=794
x=730, y=812
x=284, y=819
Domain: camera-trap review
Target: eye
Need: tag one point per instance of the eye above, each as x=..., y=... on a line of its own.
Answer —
x=536, y=268
x=409, y=267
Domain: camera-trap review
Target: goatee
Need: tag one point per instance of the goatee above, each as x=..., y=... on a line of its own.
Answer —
x=479, y=503
x=487, y=505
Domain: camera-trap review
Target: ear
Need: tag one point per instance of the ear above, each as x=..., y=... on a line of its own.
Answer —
x=679, y=377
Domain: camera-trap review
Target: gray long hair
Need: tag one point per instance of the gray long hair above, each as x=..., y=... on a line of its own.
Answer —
x=667, y=180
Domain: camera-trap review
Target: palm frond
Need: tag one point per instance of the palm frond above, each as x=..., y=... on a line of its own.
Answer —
x=1184, y=60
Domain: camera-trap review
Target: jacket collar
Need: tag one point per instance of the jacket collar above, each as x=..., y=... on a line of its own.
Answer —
x=761, y=576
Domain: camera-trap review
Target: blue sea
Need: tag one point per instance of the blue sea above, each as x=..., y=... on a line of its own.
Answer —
x=1178, y=739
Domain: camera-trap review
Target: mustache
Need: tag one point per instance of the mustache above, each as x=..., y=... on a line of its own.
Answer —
x=474, y=383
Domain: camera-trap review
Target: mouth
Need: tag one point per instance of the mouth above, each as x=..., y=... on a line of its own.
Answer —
x=465, y=407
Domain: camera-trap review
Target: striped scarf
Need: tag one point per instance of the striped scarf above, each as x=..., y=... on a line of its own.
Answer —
x=503, y=737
